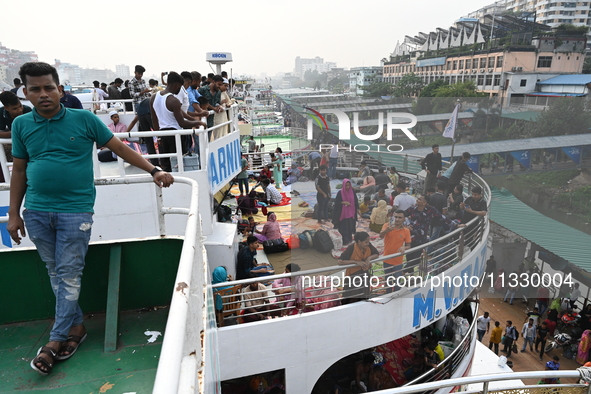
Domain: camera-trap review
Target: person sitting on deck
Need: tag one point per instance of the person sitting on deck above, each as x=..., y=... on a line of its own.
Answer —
x=382, y=179
x=272, y=195
x=293, y=174
x=368, y=187
x=290, y=290
x=266, y=172
x=361, y=252
x=379, y=216
x=432, y=359
x=271, y=229
x=381, y=195
x=257, y=304
x=219, y=275
x=247, y=265
x=366, y=207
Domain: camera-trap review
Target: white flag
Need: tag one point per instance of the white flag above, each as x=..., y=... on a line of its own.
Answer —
x=450, y=127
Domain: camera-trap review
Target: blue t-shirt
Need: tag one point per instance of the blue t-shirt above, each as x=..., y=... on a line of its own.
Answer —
x=193, y=96
x=59, y=151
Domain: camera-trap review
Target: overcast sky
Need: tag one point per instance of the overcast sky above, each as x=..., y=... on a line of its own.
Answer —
x=264, y=36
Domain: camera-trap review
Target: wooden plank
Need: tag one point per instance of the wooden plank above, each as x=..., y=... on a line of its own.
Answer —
x=112, y=316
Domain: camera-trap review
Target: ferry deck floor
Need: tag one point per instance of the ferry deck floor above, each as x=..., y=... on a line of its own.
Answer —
x=130, y=369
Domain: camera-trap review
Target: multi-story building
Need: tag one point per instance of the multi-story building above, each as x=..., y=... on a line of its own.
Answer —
x=70, y=74
x=359, y=77
x=502, y=72
x=555, y=13
x=302, y=65
x=122, y=71
x=319, y=67
x=300, y=62
x=12, y=59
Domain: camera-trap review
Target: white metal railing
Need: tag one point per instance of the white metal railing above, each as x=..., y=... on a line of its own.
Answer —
x=180, y=346
x=201, y=133
x=487, y=379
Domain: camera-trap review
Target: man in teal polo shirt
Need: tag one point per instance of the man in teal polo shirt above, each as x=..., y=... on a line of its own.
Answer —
x=52, y=150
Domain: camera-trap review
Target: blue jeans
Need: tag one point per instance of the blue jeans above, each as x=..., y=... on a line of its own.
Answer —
x=322, y=207
x=62, y=242
x=332, y=167
x=243, y=184
x=527, y=340
x=480, y=334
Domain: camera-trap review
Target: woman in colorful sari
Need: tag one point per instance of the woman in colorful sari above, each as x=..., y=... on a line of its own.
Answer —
x=584, y=346
x=271, y=229
x=345, y=212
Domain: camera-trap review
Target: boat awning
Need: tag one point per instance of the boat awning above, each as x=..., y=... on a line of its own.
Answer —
x=562, y=240
x=553, y=94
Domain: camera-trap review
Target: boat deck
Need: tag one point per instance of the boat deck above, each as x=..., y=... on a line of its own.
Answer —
x=130, y=369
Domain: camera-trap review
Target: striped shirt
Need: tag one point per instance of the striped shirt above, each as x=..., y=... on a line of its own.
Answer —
x=273, y=195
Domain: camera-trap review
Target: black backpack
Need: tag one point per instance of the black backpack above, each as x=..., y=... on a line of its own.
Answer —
x=224, y=213
x=275, y=246
x=322, y=241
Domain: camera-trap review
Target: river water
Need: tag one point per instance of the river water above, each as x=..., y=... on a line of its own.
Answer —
x=540, y=203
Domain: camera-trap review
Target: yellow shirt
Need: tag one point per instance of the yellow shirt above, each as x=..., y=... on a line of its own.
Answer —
x=496, y=334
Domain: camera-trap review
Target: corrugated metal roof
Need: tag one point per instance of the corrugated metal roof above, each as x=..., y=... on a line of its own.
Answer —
x=574, y=79
x=553, y=94
x=560, y=239
x=508, y=145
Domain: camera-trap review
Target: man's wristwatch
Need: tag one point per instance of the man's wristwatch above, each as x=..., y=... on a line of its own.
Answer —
x=155, y=170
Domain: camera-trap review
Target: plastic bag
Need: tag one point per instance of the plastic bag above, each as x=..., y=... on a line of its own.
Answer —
x=502, y=361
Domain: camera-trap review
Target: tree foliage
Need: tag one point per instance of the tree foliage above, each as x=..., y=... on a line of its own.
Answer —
x=410, y=85
x=564, y=116
x=463, y=89
x=377, y=89
x=587, y=66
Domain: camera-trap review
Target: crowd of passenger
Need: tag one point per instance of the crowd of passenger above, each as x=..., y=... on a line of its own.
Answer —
x=195, y=97
x=403, y=219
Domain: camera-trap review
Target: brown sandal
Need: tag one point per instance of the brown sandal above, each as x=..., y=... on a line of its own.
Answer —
x=48, y=365
x=71, y=349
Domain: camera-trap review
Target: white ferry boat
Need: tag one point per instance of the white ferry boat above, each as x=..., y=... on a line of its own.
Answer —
x=150, y=301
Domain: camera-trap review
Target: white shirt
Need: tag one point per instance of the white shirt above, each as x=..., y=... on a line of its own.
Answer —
x=183, y=97
x=404, y=201
x=334, y=152
x=482, y=323
x=527, y=331
x=101, y=94
x=273, y=195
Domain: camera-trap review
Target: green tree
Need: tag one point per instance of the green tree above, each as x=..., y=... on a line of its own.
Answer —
x=429, y=90
x=564, y=116
x=424, y=104
x=463, y=89
x=587, y=66
x=409, y=85
x=377, y=89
